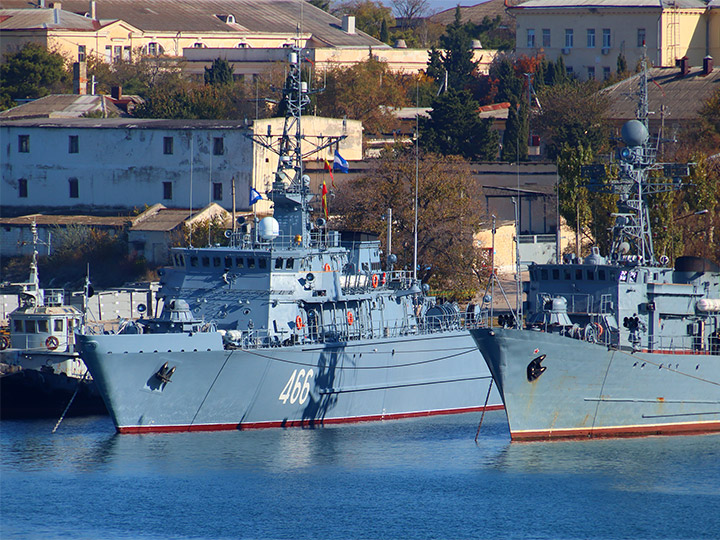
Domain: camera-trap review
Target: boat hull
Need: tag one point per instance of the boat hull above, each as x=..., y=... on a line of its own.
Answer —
x=301, y=385
x=587, y=390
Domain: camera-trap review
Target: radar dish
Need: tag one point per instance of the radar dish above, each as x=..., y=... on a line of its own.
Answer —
x=268, y=228
x=634, y=133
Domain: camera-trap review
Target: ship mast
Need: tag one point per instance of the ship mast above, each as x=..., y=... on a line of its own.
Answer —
x=290, y=191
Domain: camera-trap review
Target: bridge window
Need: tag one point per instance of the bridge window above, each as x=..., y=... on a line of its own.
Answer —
x=590, y=275
x=228, y=262
x=251, y=262
x=216, y=262
x=193, y=261
x=29, y=327
x=566, y=275
x=601, y=275
x=262, y=263
x=239, y=262
x=544, y=274
x=278, y=263
x=578, y=274
x=42, y=326
x=18, y=325
x=206, y=261
x=290, y=263
x=556, y=273
x=58, y=325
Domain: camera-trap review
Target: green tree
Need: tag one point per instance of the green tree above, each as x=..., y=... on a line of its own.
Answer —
x=31, y=73
x=621, y=64
x=366, y=91
x=509, y=84
x=572, y=114
x=369, y=15
x=219, y=73
x=322, y=4
x=574, y=199
x=447, y=214
x=458, y=56
x=515, y=138
x=454, y=128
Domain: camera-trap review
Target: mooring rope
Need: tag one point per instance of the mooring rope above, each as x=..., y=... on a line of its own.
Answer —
x=77, y=388
x=482, y=416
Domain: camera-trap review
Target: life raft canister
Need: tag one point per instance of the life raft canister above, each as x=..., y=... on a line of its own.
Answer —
x=52, y=343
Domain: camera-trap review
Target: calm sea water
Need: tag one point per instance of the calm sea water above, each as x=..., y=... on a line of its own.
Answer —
x=422, y=478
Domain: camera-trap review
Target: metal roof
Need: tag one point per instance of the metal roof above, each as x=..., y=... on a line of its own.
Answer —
x=62, y=106
x=206, y=16
x=584, y=4
x=42, y=19
x=123, y=123
x=46, y=220
x=683, y=97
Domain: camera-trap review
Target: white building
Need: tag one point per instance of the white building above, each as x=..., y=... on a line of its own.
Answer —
x=107, y=165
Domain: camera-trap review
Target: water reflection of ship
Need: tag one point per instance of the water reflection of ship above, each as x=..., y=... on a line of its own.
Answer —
x=291, y=324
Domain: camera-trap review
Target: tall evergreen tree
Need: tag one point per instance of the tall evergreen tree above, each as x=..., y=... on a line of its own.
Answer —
x=454, y=128
x=219, y=73
x=458, y=57
x=621, y=64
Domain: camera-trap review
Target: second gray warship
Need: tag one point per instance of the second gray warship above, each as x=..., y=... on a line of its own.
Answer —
x=292, y=324
x=618, y=345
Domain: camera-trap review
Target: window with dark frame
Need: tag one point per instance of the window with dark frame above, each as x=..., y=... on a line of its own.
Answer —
x=218, y=146
x=217, y=191
x=24, y=144
x=167, y=145
x=167, y=190
x=81, y=53
x=23, y=188
x=73, y=144
x=74, y=188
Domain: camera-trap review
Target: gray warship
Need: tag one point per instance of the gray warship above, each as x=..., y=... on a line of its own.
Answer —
x=619, y=345
x=292, y=324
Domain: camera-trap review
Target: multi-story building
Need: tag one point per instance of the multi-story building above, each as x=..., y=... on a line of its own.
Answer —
x=96, y=165
x=590, y=35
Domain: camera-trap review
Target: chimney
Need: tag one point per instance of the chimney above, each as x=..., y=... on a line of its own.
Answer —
x=41, y=4
x=707, y=65
x=684, y=66
x=348, y=24
x=93, y=10
x=80, y=78
x=400, y=44
x=116, y=92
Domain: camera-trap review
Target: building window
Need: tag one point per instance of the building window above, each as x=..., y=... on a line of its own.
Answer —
x=74, y=188
x=127, y=54
x=606, y=38
x=167, y=190
x=546, y=37
x=155, y=49
x=167, y=145
x=218, y=146
x=23, y=144
x=81, y=53
x=531, y=38
x=217, y=191
x=73, y=144
x=606, y=73
x=108, y=54
x=22, y=188
x=569, y=38
x=641, y=37
x=590, y=38
x=591, y=73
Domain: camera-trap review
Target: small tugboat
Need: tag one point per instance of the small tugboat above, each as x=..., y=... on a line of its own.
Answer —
x=619, y=345
x=41, y=369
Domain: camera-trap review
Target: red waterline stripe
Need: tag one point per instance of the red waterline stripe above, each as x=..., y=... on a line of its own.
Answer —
x=296, y=423
x=620, y=431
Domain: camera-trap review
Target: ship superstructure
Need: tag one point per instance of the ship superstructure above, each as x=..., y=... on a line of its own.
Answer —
x=616, y=345
x=290, y=324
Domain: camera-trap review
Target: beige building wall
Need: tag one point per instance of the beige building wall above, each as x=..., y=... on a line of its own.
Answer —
x=714, y=33
x=668, y=35
x=316, y=129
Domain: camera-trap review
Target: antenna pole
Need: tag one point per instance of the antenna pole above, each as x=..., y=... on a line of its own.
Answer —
x=417, y=174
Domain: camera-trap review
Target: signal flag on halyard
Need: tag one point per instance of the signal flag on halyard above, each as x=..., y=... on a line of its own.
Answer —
x=339, y=163
x=328, y=168
x=324, y=199
x=254, y=196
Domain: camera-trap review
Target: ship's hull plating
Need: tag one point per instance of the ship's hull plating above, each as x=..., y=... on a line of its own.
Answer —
x=587, y=390
x=303, y=385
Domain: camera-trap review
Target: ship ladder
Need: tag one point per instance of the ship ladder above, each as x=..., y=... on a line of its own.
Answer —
x=62, y=416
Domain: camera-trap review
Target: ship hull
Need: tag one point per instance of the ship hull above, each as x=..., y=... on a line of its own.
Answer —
x=588, y=390
x=301, y=385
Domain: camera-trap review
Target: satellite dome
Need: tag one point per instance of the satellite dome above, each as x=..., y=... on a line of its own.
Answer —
x=268, y=228
x=634, y=133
